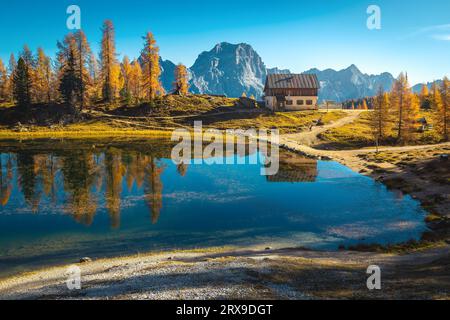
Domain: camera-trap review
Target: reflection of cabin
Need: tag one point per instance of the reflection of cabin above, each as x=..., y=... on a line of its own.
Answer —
x=291, y=92
x=294, y=168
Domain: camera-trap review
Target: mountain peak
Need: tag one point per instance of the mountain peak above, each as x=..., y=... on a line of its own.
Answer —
x=353, y=68
x=229, y=69
x=223, y=46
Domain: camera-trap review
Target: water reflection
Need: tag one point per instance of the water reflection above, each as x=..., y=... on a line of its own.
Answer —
x=87, y=173
x=84, y=175
x=80, y=176
x=6, y=176
x=295, y=169
x=134, y=199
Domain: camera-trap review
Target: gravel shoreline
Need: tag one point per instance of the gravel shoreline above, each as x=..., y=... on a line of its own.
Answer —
x=242, y=274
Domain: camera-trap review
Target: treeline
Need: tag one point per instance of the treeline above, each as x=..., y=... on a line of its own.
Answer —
x=399, y=109
x=359, y=104
x=78, y=78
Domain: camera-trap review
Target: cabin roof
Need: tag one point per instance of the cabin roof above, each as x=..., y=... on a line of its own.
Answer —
x=292, y=81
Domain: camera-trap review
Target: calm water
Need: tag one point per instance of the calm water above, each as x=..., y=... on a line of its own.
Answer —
x=62, y=200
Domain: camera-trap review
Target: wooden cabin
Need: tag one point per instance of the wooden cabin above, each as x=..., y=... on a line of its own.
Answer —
x=290, y=92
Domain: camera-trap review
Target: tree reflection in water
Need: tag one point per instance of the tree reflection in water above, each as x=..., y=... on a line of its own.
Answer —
x=81, y=178
x=85, y=176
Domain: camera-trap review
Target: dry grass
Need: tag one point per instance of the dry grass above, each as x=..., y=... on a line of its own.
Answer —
x=359, y=134
x=286, y=122
x=81, y=130
x=162, y=114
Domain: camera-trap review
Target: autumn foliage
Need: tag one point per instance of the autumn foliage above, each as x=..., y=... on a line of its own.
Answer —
x=181, y=85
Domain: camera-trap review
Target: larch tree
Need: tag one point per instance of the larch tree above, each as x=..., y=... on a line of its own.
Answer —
x=436, y=104
x=3, y=82
x=125, y=76
x=108, y=61
x=130, y=78
x=406, y=105
x=442, y=109
x=151, y=70
x=379, y=118
x=83, y=59
x=116, y=79
x=181, y=85
x=43, y=76
x=364, y=105
x=11, y=69
x=135, y=81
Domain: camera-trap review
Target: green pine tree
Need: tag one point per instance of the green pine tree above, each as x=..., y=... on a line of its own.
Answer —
x=22, y=84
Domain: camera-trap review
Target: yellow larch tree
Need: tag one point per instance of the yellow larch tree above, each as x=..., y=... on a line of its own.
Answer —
x=116, y=80
x=442, y=109
x=43, y=77
x=181, y=85
x=83, y=61
x=126, y=73
x=108, y=61
x=364, y=105
x=9, y=84
x=3, y=82
x=412, y=108
x=151, y=70
x=406, y=106
x=379, y=118
x=135, y=81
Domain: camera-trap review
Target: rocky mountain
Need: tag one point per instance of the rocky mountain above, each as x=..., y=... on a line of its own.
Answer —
x=350, y=83
x=231, y=69
x=278, y=71
x=167, y=74
x=228, y=69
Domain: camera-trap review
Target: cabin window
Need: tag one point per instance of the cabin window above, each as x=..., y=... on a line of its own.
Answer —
x=309, y=102
x=300, y=102
x=289, y=102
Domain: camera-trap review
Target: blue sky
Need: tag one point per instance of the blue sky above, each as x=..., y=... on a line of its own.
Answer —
x=294, y=34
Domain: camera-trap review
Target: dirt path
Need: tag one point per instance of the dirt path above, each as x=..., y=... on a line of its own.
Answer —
x=308, y=138
x=242, y=274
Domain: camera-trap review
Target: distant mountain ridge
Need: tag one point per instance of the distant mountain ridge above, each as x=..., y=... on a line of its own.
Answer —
x=232, y=69
x=350, y=83
x=418, y=87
